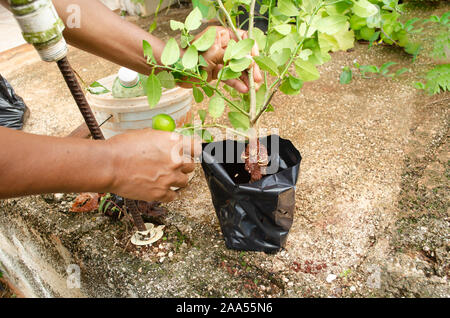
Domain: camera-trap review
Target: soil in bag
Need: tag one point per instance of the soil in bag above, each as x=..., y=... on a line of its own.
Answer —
x=253, y=216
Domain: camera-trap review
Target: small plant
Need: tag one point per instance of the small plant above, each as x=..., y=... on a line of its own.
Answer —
x=384, y=70
x=300, y=34
x=437, y=80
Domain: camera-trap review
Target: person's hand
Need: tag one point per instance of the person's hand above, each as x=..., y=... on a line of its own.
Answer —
x=214, y=58
x=147, y=163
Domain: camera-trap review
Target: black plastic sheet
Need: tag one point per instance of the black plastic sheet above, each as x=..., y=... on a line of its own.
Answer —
x=13, y=111
x=253, y=216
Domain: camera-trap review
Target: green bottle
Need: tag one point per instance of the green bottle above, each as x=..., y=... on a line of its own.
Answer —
x=128, y=84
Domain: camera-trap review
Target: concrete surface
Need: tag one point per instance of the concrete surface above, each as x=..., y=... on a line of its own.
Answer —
x=10, y=32
x=371, y=218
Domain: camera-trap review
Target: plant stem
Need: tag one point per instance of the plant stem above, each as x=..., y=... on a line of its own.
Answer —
x=251, y=75
x=215, y=126
x=274, y=87
x=230, y=22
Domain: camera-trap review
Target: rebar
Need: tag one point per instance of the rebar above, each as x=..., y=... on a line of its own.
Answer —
x=134, y=211
x=80, y=99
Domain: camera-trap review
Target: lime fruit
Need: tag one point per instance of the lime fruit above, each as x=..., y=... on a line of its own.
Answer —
x=163, y=122
x=366, y=33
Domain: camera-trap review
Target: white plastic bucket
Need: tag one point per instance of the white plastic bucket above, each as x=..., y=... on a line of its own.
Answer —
x=135, y=113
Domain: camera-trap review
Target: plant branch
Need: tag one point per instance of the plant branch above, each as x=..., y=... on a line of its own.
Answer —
x=274, y=87
x=214, y=126
x=251, y=75
x=230, y=22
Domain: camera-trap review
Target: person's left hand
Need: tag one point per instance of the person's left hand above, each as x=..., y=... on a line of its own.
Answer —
x=214, y=58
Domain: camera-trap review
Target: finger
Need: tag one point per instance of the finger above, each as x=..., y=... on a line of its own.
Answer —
x=238, y=85
x=181, y=181
x=257, y=74
x=170, y=196
x=191, y=148
x=188, y=167
x=244, y=78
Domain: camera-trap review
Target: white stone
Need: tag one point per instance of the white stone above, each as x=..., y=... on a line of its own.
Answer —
x=352, y=288
x=331, y=278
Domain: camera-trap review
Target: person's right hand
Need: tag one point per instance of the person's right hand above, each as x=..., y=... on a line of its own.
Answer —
x=147, y=163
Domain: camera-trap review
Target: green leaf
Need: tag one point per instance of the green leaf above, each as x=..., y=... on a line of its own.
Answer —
x=152, y=27
x=190, y=57
x=283, y=29
x=204, y=42
x=96, y=88
x=148, y=51
x=216, y=106
x=305, y=54
x=175, y=25
x=384, y=69
x=186, y=40
x=295, y=82
x=202, y=115
x=202, y=61
x=205, y=135
x=401, y=71
x=267, y=64
x=240, y=65
x=288, y=8
x=260, y=38
x=193, y=20
x=332, y=24
x=287, y=88
x=260, y=96
x=289, y=42
x=198, y=95
x=346, y=75
x=153, y=89
x=306, y=71
x=239, y=120
x=228, y=74
x=280, y=58
x=171, y=52
x=364, y=9
x=240, y=49
x=208, y=91
x=166, y=79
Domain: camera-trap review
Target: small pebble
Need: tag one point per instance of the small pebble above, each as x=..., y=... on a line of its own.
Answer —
x=352, y=288
x=162, y=259
x=170, y=254
x=290, y=284
x=331, y=277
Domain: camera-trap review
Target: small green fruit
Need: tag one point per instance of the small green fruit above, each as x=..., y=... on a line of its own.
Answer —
x=163, y=122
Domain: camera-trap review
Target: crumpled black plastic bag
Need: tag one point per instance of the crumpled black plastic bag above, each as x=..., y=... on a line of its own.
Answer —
x=253, y=216
x=13, y=111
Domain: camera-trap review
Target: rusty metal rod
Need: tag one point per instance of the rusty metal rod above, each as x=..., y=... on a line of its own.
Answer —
x=80, y=99
x=134, y=211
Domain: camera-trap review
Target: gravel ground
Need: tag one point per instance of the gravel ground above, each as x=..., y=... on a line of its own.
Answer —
x=371, y=213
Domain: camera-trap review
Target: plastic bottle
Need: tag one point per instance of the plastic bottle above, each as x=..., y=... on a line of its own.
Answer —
x=128, y=84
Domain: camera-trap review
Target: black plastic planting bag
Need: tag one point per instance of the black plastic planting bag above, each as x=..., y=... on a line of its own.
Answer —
x=253, y=216
x=13, y=110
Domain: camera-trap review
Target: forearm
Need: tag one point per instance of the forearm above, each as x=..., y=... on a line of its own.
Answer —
x=32, y=164
x=105, y=34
